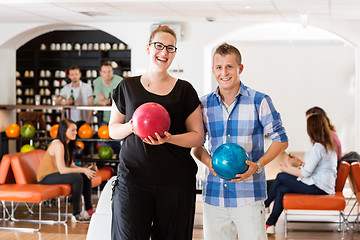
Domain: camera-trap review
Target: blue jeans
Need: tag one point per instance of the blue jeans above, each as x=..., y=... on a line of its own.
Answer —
x=286, y=183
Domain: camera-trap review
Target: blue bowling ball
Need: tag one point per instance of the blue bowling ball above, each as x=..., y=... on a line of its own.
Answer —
x=229, y=160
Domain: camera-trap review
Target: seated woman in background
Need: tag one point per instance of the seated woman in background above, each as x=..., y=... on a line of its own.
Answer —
x=57, y=167
x=315, y=175
x=336, y=140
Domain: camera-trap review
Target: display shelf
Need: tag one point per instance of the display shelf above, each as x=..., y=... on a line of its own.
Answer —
x=92, y=158
x=55, y=51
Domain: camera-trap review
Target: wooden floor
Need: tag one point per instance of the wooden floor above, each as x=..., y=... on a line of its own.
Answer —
x=78, y=231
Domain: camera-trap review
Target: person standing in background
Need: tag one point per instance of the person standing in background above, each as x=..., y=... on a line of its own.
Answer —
x=103, y=90
x=82, y=95
x=104, y=86
x=235, y=113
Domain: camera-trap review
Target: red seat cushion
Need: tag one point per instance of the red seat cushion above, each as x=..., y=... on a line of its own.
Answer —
x=65, y=189
x=104, y=174
x=96, y=181
x=314, y=202
x=28, y=192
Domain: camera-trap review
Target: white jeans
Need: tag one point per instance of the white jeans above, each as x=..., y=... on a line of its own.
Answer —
x=224, y=223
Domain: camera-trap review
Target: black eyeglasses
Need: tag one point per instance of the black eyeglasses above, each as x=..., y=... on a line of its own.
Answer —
x=160, y=46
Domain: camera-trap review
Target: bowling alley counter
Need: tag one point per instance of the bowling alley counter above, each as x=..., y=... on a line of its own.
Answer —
x=55, y=107
x=61, y=108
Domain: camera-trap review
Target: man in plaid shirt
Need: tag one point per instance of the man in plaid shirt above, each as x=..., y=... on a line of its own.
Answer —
x=234, y=113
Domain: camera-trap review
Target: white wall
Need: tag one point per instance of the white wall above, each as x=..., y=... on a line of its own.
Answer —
x=282, y=71
x=297, y=78
x=7, y=85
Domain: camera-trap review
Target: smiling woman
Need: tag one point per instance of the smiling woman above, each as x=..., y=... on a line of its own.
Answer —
x=168, y=196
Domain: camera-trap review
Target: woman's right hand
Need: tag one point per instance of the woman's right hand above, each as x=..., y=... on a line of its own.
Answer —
x=293, y=161
x=131, y=126
x=89, y=172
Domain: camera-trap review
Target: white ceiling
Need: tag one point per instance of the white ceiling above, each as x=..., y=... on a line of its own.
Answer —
x=75, y=11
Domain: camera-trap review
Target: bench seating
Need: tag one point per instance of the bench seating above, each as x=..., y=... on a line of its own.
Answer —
x=334, y=202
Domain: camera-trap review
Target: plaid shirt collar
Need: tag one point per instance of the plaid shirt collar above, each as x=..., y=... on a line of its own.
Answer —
x=242, y=92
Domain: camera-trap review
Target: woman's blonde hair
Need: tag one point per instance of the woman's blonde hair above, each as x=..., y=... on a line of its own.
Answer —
x=162, y=28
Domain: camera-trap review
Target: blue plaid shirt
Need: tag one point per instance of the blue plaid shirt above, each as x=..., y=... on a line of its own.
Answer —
x=250, y=118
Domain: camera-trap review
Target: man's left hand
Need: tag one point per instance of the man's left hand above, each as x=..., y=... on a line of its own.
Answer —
x=251, y=170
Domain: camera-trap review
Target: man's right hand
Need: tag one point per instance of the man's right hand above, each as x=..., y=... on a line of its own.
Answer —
x=69, y=101
x=209, y=165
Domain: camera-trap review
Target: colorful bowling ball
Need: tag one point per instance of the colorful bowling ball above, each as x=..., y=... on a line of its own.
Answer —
x=86, y=131
x=27, y=148
x=77, y=153
x=54, y=130
x=229, y=160
x=98, y=147
x=41, y=146
x=103, y=132
x=27, y=131
x=149, y=118
x=12, y=131
x=105, y=152
x=80, y=144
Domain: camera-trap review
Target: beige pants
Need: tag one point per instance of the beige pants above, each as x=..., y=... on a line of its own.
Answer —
x=225, y=223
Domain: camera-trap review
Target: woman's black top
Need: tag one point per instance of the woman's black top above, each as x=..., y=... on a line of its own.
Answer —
x=157, y=164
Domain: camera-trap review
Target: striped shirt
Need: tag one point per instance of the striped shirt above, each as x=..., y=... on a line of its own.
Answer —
x=246, y=121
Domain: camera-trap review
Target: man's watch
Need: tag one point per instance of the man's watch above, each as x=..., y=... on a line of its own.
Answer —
x=259, y=168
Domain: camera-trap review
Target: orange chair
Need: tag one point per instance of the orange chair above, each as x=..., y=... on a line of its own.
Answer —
x=104, y=174
x=6, y=177
x=25, y=167
x=6, y=173
x=34, y=193
x=334, y=202
x=355, y=177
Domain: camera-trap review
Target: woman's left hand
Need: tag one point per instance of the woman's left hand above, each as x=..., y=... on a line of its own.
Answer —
x=284, y=166
x=160, y=140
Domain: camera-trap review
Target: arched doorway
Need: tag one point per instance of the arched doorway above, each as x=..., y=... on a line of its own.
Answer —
x=299, y=68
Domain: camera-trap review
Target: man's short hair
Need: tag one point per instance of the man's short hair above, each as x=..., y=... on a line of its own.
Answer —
x=225, y=49
x=74, y=67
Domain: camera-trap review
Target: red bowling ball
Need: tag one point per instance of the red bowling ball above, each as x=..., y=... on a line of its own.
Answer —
x=150, y=118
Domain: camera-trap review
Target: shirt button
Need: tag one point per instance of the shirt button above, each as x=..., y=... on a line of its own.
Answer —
x=229, y=119
x=228, y=135
x=225, y=185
